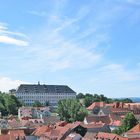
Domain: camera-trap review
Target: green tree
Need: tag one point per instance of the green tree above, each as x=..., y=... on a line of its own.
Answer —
x=89, y=95
x=127, y=100
x=37, y=104
x=80, y=96
x=118, y=131
x=10, y=105
x=71, y=110
x=96, y=98
x=88, y=101
x=2, y=109
x=127, y=123
x=103, y=98
x=18, y=103
x=47, y=103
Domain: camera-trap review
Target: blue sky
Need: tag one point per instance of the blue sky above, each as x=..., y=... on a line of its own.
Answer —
x=93, y=46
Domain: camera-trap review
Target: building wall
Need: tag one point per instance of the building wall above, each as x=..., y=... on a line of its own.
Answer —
x=53, y=98
x=132, y=135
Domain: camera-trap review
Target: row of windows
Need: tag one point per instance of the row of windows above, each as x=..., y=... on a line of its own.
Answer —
x=31, y=101
x=42, y=97
x=45, y=94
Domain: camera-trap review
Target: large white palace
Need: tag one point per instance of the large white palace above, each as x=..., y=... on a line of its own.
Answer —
x=28, y=93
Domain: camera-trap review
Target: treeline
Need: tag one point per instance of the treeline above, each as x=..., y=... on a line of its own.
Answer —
x=9, y=104
x=88, y=99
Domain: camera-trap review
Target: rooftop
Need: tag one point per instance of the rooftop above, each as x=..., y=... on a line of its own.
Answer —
x=135, y=129
x=37, y=88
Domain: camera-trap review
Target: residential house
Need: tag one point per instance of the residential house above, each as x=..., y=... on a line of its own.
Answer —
x=3, y=123
x=133, y=133
x=25, y=113
x=96, y=127
x=41, y=112
x=114, y=125
x=13, y=135
x=55, y=132
x=95, y=107
x=96, y=119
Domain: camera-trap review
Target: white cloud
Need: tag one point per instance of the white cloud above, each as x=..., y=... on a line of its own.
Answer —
x=6, y=84
x=53, y=50
x=14, y=38
x=65, y=55
x=10, y=40
x=119, y=73
x=115, y=80
x=71, y=56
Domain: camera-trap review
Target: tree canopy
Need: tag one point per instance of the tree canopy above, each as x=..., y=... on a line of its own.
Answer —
x=80, y=96
x=37, y=104
x=47, y=103
x=125, y=100
x=71, y=110
x=88, y=99
x=127, y=123
x=9, y=104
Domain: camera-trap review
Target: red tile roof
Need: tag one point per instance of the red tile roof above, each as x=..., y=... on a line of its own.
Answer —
x=14, y=123
x=41, y=130
x=99, y=104
x=106, y=135
x=4, y=137
x=116, y=110
x=116, y=123
x=54, y=130
x=134, y=129
x=93, y=125
x=12, y=135
x=109, y=136
x=103, y=119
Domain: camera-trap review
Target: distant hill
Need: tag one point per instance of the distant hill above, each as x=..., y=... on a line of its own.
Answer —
x=135, y=99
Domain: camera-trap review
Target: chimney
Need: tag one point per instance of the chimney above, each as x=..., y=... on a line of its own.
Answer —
x=128, y=106
x=38, y=82
x=121, y=105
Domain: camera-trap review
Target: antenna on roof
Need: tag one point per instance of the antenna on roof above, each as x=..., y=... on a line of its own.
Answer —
x=38, y=83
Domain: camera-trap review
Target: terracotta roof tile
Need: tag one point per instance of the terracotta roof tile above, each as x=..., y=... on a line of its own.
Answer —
x=120, y=110
x=109, y=136
x=12, y=135
x=54, y=130
x=95, y=118
x=93, y=125
x=134, y=129
x=99, y=104
x=116, y=123
x=41, y=130
x=89, y=136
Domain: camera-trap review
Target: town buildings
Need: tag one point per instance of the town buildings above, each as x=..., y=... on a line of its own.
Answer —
x=28, y=93
x=38, y=123
x=25, y=113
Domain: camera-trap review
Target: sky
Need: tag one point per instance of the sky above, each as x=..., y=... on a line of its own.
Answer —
x=93, y=46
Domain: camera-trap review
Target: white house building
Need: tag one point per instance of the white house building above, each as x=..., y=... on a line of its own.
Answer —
x=28, y=93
